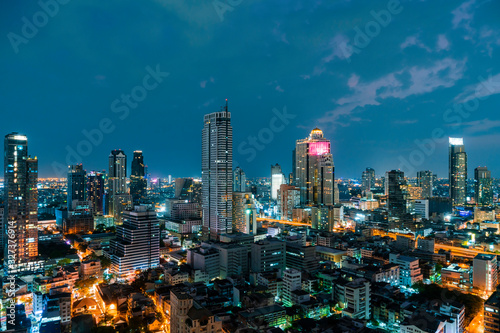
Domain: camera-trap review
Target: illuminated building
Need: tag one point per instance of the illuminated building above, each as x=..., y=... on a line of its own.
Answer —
x=357, y=299
x=239, y=180
x=233, y=259
x=206, y=259
x=277, y=179
x=483, y=187
x=268, y=255
x=217, y=177
x=21, y=205
x=425, y=180
x=458, y=172
x=485, y=271
x=76, y=184
x=95, y=191
x=292, y=281
x=395, y=190
x=492, y=313
x=409, y=269
x=188, y=189
x=368, y=179
x=244, y=213
x=138, y=182
x=137, y=243
x=314, y=170
x=288, y=199
x=121, y=202
x=117, y=177
x=79, y=221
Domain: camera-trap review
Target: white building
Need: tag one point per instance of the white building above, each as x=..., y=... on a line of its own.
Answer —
x=485, y=271
x=357, y=299
x=292, y=281
x=409, y=270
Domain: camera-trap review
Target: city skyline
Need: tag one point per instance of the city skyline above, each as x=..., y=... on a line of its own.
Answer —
x=422, y=68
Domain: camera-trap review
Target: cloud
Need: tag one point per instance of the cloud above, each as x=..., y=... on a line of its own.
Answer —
x=278, y=88
x=353, y=81
x=401, y=84
x=405, y=122
x=442, y=43
x=480, y=126
x=414, y=41
x=203, y=84
x=337, y=48
x=463, y=15
x=486, y=87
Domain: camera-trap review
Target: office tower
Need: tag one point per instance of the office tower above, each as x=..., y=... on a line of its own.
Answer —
x=268, y=255
x=357, y=299
x=458, y=172
x=217, y=177
x=137, y=243
x=485, y=272
x=80, y=219
x=483, y=187
x=277, y=179
x=292, y=281
x=95, y=191
x=294, y=167
x=288, y=199
x=314, y=169
x=76, y=184
x=233, y=259
x=21, y=205
x=301, y=257
x=239, y=180
x=368, y=179
x=121, y=202
x=395, y=189
x=425, y=180
x=492, y=313
x=117, y=177
x=205, y=259
x=138, y=182
x=244, y=213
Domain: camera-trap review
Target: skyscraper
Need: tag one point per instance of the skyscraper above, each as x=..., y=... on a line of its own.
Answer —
x=95, y=191
x=277, y=179
x=239, y=180
x=138, y=182
x=217, y=177
x=483, y=187
x=314, y=169
x=137, y=242
x=368, y=179
x=458, y=172
x=21, y=205
x=117, y=177
x=395, y=189
x=425, y=180
x=76, y=184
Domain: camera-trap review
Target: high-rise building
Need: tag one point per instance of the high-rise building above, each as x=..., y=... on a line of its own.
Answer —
x=277, y=179
x=217, y=177
x=425, y=180
x=95, y=191
x=357, y=299
x=292, y=281
x=117, y=177
x=314, y=169
x=288, y=199
x=395, y=189
x=244, y=213
x=368, y=179
x=137, y=243
x=76, y=184
x=21, y=205
x=458, y=172
x=485, y=272
x=239, y=180
x=483, y=187
x=268, y=255
x=492, y=313
x=138, y=182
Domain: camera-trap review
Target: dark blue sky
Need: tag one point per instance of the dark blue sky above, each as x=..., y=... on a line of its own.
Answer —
x=377, y=98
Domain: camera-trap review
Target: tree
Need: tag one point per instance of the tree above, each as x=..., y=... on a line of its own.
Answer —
x=439, y=267
x=64, y=262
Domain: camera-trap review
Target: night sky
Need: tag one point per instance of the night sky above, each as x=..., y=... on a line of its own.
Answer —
x=381, y=79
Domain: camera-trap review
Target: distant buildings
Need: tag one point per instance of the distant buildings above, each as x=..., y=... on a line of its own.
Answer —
x=288, y=199
x=277, y=179
x=76, y=184
x=425, y=180
x=485, y=277
x=21, y=205
x=239, y=180
x=483, y=187
x=410, y=272
x=217, y=177
x=138, y=182
x=458, y=172
x=314, y=169
x=368, y=179
x=137, y=243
